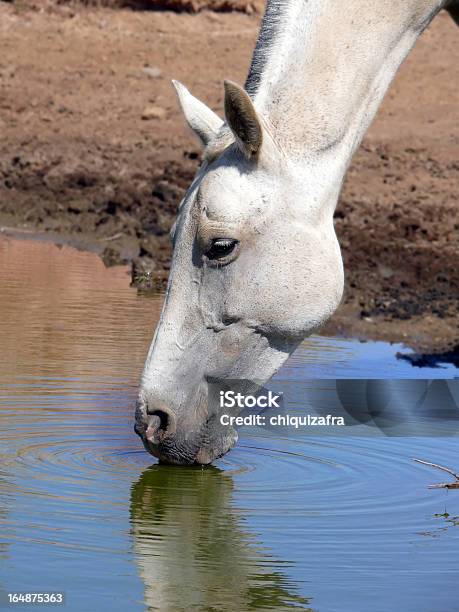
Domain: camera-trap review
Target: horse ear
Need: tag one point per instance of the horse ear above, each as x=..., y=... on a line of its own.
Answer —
x=201, y=119
x=242, y=118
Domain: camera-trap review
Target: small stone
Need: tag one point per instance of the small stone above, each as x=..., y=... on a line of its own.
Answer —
x=145, y=275
x=215, y=17
x=152, y=71
x=153, y=112
x=385, y=271
x=112, y=257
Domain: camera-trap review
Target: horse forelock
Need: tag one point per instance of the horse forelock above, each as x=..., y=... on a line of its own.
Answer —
x=218, y=145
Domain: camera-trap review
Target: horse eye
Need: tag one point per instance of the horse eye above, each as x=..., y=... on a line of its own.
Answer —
x=220, y=248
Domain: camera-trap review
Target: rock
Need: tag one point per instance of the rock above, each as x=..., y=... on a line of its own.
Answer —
x=385, y=271
x=153, y=112
x=145, y=275
x=152, y=71
x=112, y=257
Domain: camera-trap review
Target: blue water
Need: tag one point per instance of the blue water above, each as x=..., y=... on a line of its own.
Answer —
x=344, y=358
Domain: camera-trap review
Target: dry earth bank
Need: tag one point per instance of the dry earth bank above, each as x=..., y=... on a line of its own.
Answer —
x=94, y=151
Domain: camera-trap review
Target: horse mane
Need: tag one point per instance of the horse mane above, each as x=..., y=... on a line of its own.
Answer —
x=270, y=28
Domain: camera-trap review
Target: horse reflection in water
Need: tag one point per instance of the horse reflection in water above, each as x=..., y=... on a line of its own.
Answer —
x=192, y=548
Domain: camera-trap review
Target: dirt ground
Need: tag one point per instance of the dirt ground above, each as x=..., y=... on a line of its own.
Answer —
x=94, y=151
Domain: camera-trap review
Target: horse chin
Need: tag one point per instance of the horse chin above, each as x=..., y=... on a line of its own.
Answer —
x=207, y=455
x=174, y=452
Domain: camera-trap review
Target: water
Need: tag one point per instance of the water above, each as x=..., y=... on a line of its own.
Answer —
x=282, y=522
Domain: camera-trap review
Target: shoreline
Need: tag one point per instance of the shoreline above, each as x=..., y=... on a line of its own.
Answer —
x=343, y=324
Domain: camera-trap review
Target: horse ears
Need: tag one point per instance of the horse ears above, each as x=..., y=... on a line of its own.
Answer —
x=242, y=118
x=240, y=115
x=201, y=119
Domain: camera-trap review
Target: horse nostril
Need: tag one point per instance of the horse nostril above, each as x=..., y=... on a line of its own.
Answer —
x=160, y=425
x=164, y=418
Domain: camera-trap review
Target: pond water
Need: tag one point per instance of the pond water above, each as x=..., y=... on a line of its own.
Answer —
x=329, y=523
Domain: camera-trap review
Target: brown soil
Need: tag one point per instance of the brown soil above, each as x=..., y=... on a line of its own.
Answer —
x=94, y=151
x=179, y=6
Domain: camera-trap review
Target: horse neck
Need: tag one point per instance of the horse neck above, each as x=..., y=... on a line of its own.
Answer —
x=321, y=68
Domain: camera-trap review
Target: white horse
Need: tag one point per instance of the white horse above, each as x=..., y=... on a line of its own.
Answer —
x=256, y=264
